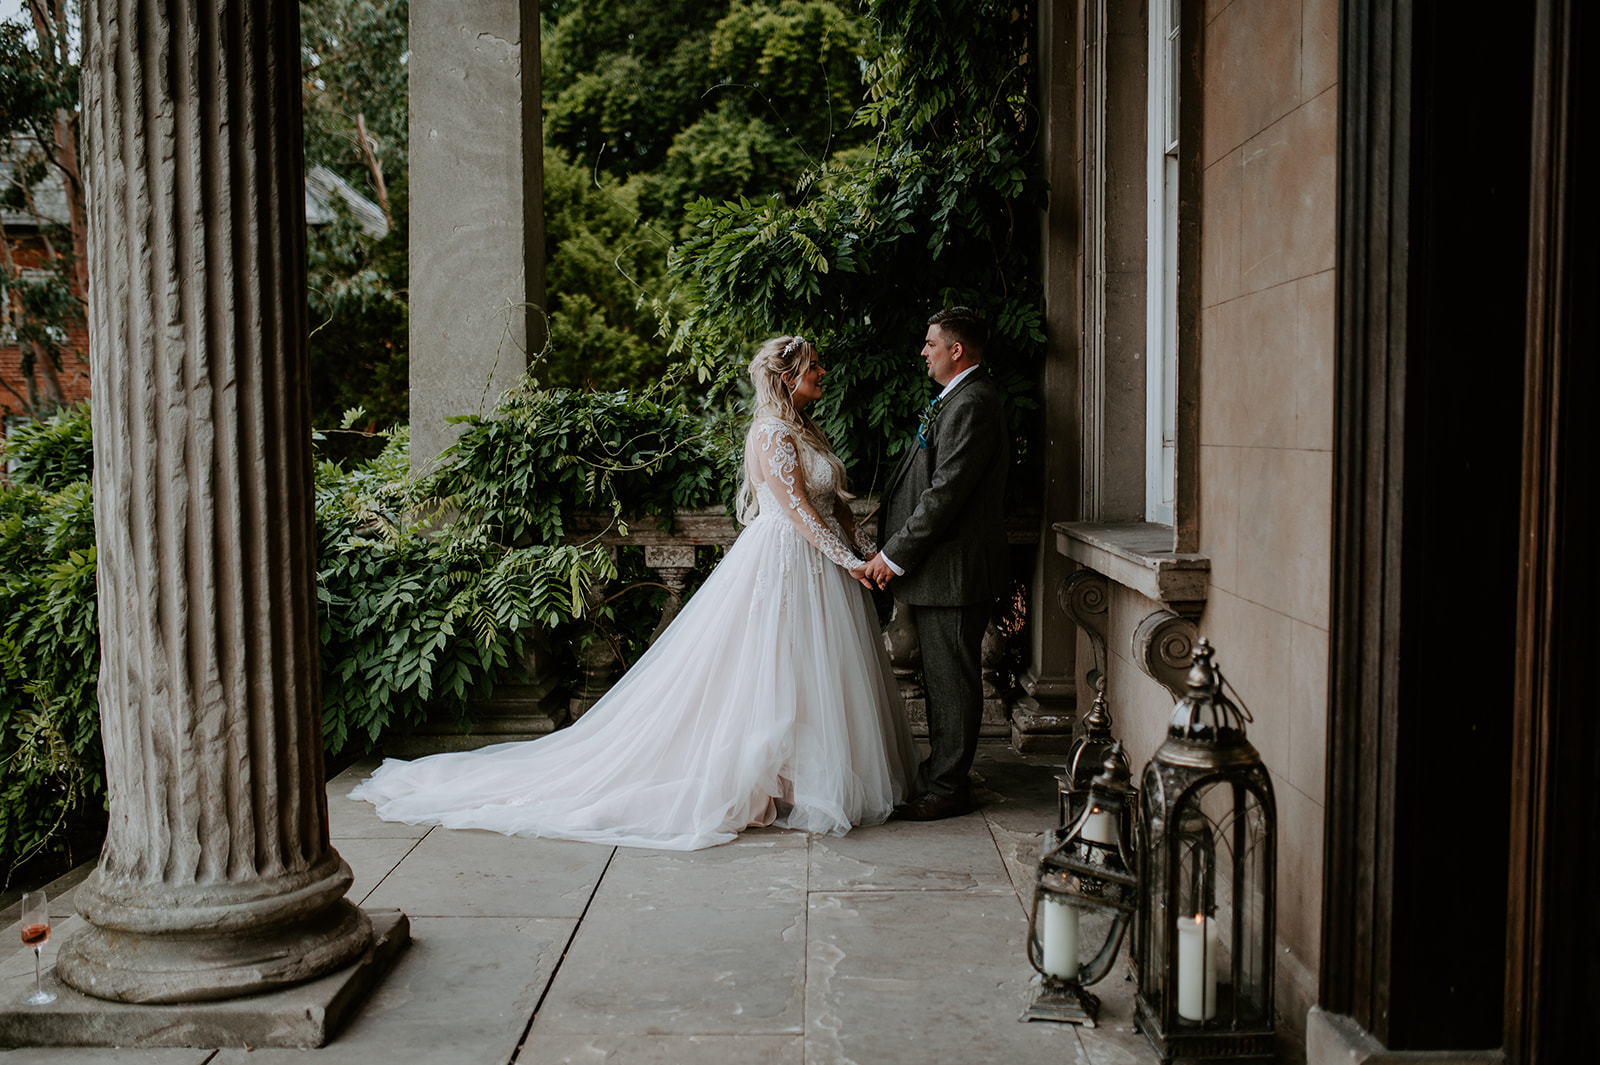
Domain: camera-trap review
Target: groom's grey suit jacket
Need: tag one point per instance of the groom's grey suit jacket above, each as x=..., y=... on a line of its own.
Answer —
x=943, y=505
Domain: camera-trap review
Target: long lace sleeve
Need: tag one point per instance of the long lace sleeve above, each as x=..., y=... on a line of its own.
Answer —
x=864, y=544
x=780, y=467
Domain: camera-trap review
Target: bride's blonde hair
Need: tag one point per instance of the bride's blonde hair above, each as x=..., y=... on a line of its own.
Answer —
x=775, y=371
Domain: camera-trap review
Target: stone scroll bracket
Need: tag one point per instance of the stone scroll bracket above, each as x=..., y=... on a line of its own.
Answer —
x=1085, y=596
x=1163, y=645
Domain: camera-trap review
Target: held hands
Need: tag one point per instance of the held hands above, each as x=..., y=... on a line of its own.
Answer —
x=860, y=574
x=876, y=573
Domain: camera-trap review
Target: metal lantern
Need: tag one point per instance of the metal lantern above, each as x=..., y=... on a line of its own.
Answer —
x=1083, y=899
x=1085, y=759
x=1203, y=942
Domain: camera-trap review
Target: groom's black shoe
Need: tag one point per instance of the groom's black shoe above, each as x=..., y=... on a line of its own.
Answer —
x=931, y=807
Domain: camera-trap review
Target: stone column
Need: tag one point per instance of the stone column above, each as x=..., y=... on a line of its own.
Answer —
x=1043, y=717
x=217, y=878
x=477, y=210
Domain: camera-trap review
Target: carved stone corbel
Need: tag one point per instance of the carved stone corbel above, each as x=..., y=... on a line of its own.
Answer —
x=1085, y=596
x=1163, y=645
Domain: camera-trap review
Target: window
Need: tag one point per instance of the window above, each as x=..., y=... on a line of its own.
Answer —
x=1161, y=265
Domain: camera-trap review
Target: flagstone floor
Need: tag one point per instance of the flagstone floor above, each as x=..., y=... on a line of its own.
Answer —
x=900, y=943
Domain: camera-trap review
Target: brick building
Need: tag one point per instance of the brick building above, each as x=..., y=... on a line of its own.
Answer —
x=26, y=238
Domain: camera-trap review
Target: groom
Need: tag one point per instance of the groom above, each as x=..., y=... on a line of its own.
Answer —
x=944, y=546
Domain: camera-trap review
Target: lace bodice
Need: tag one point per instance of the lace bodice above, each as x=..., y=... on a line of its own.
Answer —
x=795, y=480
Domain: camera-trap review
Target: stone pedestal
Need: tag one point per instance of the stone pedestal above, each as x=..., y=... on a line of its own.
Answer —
x=518, y=711
x=217, y=878
x=905, y=656
x=477, y=211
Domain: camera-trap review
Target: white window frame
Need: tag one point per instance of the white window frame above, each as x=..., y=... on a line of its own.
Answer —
x=1161, y=264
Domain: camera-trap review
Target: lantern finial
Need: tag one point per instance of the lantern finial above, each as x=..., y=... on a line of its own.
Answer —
x=1205, y=718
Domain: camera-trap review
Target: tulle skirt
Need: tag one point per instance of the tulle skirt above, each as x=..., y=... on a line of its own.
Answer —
x=768, y=700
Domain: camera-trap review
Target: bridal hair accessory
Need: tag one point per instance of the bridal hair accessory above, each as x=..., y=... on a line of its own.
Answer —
x=794, y=342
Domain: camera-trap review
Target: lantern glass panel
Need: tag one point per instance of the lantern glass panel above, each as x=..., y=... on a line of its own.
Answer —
x=1220, y=865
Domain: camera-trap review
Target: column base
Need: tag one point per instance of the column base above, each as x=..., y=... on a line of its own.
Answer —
x=177, y=967
x=302, y=1017
x=1040, y=729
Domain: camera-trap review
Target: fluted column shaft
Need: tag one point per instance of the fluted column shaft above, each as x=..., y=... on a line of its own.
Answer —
x=218, y=842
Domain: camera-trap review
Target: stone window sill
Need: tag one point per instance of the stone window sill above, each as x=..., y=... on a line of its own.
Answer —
x=1139, y=555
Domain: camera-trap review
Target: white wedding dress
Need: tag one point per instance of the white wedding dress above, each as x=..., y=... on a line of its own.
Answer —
x=768, y=700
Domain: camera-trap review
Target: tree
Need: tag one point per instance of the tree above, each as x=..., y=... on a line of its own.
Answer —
x=39, y=138
x=605, y=267
x=649, y=108
x=935, y=212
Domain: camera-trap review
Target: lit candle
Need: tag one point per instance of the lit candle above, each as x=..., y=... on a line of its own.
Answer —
x=1100, y=828
x=1059, y=937
x=1197, y=970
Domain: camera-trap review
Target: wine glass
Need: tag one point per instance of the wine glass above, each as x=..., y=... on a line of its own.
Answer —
x=36, y=933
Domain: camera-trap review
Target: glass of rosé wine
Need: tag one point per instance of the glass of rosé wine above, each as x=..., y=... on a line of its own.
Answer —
x=35, y=934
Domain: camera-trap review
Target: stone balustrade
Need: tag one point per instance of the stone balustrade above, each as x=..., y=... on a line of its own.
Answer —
x=525, y=711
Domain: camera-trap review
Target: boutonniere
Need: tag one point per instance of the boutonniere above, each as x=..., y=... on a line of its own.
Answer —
x=930, y=414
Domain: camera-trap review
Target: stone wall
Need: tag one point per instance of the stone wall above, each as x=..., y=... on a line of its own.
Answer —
x=1265, y=387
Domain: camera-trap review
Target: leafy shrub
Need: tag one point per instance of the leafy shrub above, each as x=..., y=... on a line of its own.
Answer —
x=549, y=452
x=52, y=773
x=417, y=616
x=53, y=453
x=421, y=614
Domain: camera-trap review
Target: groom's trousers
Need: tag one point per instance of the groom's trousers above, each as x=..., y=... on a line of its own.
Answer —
x=951, y=641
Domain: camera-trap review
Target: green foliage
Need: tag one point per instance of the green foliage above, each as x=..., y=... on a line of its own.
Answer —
x=549, y=452
x=420, y=614
x=359, y=315
x=620, y=78
x=54, y=453
x=353, y=61
x=939, y=210
x=650, y=107
x=418, y=617
x=52, y=775
x=604, y=266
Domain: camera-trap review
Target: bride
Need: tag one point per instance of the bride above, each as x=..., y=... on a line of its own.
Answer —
x=769, y=700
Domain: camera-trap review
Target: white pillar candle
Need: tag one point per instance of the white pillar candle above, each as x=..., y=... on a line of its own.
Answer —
x=1059, y=937
x=1197, y=969
x=1100, y=828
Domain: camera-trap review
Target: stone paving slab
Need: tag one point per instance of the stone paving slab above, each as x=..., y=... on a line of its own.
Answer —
x=667, y=1050
x=470, y=873
x=699, y=943
x=957, y=854
x=348, y=818
x=105, y=1056
x=935, y=978
x=1018, y=795
x=461, y=995
x=1114, y=1040
x=371, y=861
